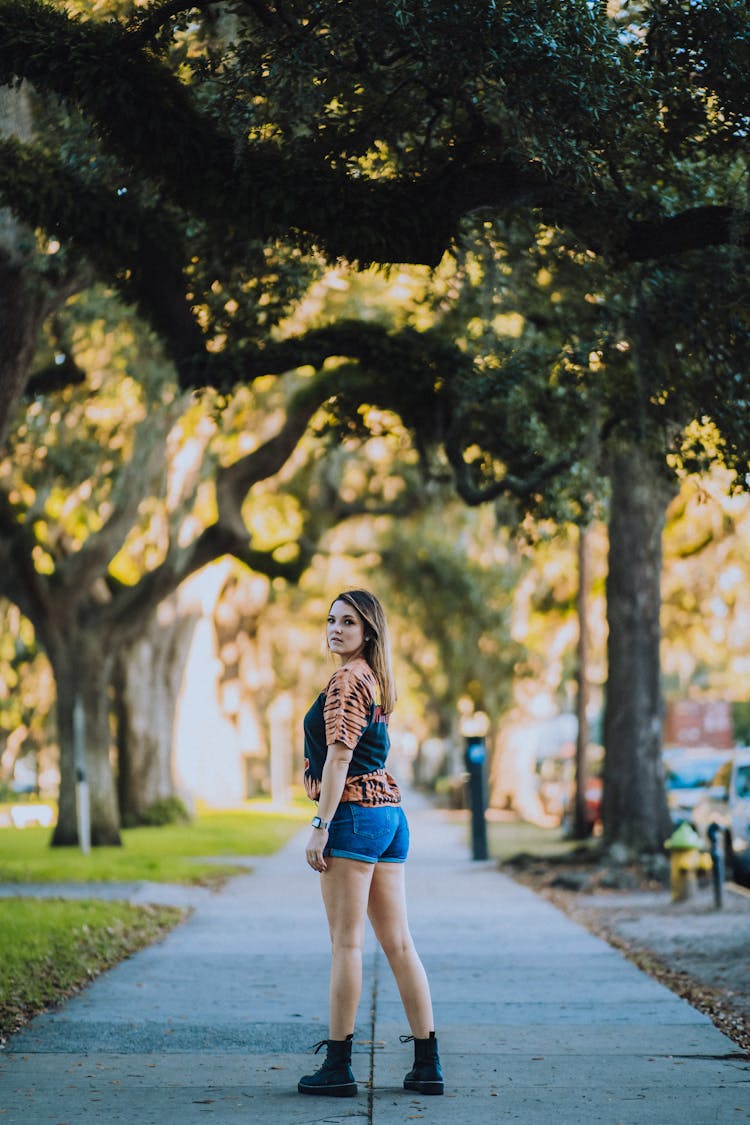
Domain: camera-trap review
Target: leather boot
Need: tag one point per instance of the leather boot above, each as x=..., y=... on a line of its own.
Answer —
x=335, y=1078
x=426, y=1076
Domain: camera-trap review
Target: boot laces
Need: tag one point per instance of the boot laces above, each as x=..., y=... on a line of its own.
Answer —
x=406, y=1038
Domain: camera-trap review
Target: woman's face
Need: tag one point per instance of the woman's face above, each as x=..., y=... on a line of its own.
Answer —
x=345, y=631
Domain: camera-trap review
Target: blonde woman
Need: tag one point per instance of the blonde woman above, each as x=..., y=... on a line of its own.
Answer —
x=359, y=843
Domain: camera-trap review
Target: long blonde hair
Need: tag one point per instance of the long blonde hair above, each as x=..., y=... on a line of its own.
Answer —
x=377, y=650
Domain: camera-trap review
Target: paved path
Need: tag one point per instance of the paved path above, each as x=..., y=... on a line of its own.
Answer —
x=539, y=1022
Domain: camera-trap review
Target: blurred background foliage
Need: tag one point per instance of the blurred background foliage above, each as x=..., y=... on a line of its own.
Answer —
x=481, y=604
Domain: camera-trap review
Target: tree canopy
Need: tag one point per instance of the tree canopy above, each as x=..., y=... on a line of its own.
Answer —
x=181, y=137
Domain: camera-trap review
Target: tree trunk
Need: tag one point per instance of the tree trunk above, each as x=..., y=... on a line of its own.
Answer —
x=82, y=664
x=635, y=811
x=148, y=678
x=66, y=831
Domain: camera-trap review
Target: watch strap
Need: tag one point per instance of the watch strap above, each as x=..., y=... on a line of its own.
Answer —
x=318, y=822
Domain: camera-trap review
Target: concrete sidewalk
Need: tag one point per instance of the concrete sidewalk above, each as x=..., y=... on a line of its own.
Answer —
x=539, y=1021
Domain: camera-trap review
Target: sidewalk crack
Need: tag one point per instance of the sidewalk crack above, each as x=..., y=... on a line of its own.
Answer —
x=373, y=1017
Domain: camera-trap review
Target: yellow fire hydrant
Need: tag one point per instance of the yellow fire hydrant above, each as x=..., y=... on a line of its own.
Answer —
x=685, y=861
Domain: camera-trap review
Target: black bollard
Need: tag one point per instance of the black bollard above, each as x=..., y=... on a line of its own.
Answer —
x=717, y=869
x=474, y=757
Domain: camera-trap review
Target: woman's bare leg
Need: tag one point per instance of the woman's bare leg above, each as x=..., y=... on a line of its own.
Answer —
x=346, y=887
x=387, y=913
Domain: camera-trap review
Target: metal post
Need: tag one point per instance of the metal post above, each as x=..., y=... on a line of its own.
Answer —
x=83, y=801
x=717, y=869
x=475, y=757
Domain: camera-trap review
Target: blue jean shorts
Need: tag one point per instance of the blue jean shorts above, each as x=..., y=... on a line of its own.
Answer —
x=373, y=835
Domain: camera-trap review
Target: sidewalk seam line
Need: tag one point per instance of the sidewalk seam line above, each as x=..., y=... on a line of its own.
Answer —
x=373, y=1016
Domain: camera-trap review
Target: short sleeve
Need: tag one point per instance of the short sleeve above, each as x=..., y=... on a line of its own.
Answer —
x=349, y=699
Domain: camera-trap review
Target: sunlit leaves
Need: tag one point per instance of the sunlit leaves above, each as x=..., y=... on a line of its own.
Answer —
x=450, y=578
x=241, y=299
x=26, y=690
x=68, y=448
x=273, y=518
x=706, y=611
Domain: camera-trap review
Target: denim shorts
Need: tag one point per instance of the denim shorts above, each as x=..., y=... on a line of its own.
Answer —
x=373, y=835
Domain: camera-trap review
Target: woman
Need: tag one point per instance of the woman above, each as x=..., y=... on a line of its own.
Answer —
x=359, y=842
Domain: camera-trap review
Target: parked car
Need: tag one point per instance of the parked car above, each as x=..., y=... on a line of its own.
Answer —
x=726, y=802
x=689, y=771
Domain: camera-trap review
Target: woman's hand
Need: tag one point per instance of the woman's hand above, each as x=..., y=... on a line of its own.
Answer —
x=314, y=850
x=312, y=787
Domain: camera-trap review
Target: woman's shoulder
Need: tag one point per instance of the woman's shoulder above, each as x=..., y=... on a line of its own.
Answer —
x=355, y=675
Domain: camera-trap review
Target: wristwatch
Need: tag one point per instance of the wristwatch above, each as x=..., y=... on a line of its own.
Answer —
x=318, y=822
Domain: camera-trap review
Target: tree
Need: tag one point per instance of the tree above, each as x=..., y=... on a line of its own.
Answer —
x=62, y=550
x=600, y=377
x=146, y=682
x=450, y=576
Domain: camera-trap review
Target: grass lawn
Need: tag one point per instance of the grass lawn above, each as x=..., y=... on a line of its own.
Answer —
x=508, y=837
x=49, y=949
x=174, y=853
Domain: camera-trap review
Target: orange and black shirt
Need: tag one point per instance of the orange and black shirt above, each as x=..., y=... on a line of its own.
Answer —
x=348, y=711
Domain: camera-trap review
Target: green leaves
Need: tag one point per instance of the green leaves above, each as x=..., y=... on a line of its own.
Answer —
x=360, y=129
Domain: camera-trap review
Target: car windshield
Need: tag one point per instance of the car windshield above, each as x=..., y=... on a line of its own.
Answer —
x=693, y=774
x=743, y=781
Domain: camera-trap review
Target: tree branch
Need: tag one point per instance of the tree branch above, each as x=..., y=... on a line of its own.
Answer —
x=233, y=482
x=20, y=581
x=149, y=23
x=55, y=377
x=135, y=247
x=229, y=534
x=695, y=229
x=77, y=571
x=131, y=604
x=508, y=485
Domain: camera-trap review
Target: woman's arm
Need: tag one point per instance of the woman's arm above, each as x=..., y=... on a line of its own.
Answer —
x=331, y=787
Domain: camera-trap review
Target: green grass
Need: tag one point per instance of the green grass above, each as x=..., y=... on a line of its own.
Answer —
x=49, y=949
x=172, y=854
x=509, y=838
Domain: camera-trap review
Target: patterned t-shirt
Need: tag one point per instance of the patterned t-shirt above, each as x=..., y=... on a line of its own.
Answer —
x=349, y=711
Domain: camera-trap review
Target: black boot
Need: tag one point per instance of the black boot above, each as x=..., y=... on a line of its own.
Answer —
x=425, y=1076
x=335, y=1078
